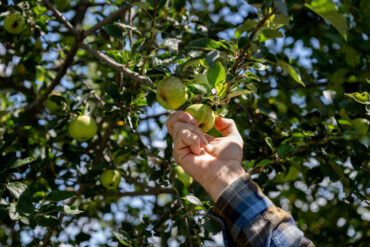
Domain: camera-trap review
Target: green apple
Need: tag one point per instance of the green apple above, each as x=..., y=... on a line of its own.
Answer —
x=55, y=103
x=171, y=93
x=203, y=114
x=361, y=125
x=110, y=179
x=83, y=128
x=183, y=176
x=14, y=23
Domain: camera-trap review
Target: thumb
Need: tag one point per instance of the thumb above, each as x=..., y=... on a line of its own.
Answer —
x=226, y=126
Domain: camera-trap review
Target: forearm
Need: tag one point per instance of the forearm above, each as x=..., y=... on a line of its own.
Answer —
x=251, y=219
x=226, y=175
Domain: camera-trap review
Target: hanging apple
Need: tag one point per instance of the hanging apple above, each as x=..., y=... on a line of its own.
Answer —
x=171, y=93
x=83, y=128
x=14, y=23
x=110, y=179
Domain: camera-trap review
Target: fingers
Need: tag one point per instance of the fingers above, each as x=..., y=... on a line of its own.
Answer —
x=186, y=138
x=226, y=126
x=209, y=138
x=179, y=126
x=179, y=116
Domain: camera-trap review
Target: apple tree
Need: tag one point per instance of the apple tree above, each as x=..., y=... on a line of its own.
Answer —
x=85, y=155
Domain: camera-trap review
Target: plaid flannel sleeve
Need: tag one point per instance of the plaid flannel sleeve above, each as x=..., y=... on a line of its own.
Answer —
x=251, y=219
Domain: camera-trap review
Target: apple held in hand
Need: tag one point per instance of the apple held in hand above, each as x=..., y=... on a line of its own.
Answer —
x=83, y=128
x=183, y=176
x=14, y=23
x=203, y=114
x=171, y=93
x=111, y=179
x=361, y=125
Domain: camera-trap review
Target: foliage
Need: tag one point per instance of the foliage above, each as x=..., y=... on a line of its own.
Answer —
x=293, y=74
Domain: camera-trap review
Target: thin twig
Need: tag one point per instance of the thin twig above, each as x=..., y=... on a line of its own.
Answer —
x=110, y=62
x=9, y=83
x=186, y=221
x=152, y=191
x=46, y=240
x=61, y=18
x=251, y=36
x=106, y=20
x=62, y=71
x=130, y=23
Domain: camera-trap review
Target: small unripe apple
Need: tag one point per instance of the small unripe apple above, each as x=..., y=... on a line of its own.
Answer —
x=83, y=128
x=171, y=93
x=183, y=176
x=55, y=103
x=110, y=179
x=14, y=23
x=203, y=114
x=361, y=125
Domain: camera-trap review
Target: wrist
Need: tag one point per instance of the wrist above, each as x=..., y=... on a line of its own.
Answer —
x=227, y=174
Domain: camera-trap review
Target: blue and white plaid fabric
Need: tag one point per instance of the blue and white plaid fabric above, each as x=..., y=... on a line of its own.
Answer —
x=251, y=219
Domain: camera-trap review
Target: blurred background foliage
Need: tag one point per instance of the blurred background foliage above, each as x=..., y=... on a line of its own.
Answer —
x=293, y=74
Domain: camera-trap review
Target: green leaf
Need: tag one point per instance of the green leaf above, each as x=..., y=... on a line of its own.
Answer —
x=13, y=214
x=22, y=162
x=193, y=200
x=112, y=90
x=114, y=31
x=143, y=5
x=47, y=221
x=328, y=10
x=122, y=237
x=127, y=27
x=203, y=43
x=291, y=71
x=362, y=98
x=270, y=34
x=59, y=195
x=284, y=149
x=269, y=142
x=71, y=209
x=238, y=93
x=16, y=189
x=216, y=76
x=247, y=25
x=263, y=162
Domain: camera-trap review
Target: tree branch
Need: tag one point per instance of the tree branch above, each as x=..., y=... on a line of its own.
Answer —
x=111, y=63
x=8, y=83
x=152, y=191
x=61, y=18
x=251, y=36
x=62, y=71
x=106, y=20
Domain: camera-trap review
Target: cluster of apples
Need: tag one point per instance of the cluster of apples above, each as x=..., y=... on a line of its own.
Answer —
x=83, y=128
x=171, y=94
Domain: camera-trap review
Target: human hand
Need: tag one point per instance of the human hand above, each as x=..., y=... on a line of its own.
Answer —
x=215, y=163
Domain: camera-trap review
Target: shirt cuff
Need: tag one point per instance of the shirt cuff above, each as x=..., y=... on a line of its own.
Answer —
x=240, y=204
